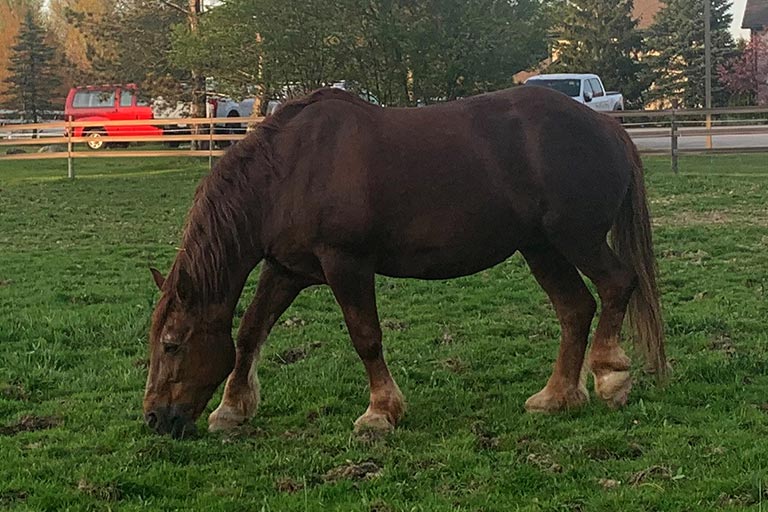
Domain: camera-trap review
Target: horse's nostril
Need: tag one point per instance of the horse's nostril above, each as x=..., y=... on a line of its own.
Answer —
x=151, y=419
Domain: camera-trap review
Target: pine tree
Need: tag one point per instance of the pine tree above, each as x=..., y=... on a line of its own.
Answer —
x=600, y=36
x=31, y=82
x=676, y=42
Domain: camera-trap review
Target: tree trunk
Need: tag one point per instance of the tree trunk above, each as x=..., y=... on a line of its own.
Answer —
x=197, y=108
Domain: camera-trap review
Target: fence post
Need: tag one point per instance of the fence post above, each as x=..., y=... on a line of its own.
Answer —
x=673, y=138
x=70, y=162
x=210, y=146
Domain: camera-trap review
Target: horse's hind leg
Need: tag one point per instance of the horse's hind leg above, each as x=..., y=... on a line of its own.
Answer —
x=275, y=292
x=575, y=308
x=615, y=284
x=352, y=282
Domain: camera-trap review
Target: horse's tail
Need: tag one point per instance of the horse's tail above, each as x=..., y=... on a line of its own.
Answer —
x=633, y=243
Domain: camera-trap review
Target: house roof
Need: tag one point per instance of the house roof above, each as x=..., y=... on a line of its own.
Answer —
x=645, y=10
x=755, y=15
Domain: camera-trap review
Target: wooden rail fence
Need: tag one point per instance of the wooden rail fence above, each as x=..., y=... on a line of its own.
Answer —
x=59, y=136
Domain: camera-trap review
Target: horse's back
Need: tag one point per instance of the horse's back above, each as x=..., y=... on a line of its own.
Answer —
x=449, y=189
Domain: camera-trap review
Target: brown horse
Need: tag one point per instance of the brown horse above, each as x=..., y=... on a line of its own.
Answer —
x=332, y=190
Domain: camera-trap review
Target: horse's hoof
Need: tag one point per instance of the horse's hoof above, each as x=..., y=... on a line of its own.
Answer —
x=225, y=418
x=547, y=401
x=613, y=387
x=373, y=422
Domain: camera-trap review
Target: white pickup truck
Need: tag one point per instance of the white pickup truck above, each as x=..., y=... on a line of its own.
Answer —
x=584, y=88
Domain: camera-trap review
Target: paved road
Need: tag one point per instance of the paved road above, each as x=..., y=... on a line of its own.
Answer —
x=647, y=139
x=659, y=142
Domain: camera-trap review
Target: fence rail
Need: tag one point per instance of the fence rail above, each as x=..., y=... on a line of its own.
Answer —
x=669, y=127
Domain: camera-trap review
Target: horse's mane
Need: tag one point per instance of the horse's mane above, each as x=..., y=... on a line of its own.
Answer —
x=221, y=226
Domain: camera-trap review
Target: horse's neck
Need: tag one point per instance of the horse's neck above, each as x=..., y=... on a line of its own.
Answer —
x=221, y=240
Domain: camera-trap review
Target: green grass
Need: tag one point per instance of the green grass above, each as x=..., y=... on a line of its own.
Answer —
x=75, y=302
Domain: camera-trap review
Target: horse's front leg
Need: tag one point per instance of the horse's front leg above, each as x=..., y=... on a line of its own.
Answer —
x=352, y=281
x=275, y=292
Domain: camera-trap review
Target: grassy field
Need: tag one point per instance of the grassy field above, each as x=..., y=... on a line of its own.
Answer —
x=75, y=302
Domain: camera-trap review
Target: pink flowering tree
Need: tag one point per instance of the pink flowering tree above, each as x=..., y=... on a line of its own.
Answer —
x=746, y=74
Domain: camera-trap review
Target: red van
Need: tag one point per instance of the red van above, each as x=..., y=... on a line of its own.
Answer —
x=108, y=103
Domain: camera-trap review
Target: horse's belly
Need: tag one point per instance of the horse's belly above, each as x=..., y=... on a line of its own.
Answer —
x=437, y=258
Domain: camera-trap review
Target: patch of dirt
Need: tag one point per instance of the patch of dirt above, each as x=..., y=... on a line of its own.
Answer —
x=353, y=471
x=485, y=438
x=106, y=492
x=763, y=407
x=694, y=257
x=12, y=496
x=295, y=354
x=141, y=363
x=394, y=325
x=288, y=485
x=735, y=500
x=314, y=415
x=710, y=218
x=601, y=452
x=609, y=483
x=544, y=462
x=455, y=365
x=30, y=423
x=446, y=338
x=294, y=321
x=381, y=506
x=14, y=392
x=724, y=344
x=243, y=432
x=6, y=282
x=653, y=472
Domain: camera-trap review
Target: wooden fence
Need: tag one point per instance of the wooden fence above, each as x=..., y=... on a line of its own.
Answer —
x=672, y=124
x=58, y=137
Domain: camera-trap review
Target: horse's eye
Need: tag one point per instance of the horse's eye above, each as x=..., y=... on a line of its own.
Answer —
x=171, y=348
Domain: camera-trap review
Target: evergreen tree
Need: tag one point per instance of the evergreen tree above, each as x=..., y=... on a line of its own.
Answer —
x=600, y=36
x=676, y=43
x=31, y=82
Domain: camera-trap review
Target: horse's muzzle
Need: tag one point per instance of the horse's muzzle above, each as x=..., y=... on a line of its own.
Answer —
x=171, y=420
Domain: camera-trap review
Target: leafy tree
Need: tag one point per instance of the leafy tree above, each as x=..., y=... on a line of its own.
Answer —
x=399, y=50
x=464, y=48
x=122, y=41
x=745, y=75
x=74, y=25
x=600, y=36
x=676, y=43
x=32, y=80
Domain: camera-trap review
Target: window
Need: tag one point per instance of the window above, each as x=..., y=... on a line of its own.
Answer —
x=126, y=97
x=588, y=88
x=93, y=99
x=80, y=100
x=597, y=89
x=567, y=86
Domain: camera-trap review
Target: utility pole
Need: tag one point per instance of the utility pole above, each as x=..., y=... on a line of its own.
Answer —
x=708, y=69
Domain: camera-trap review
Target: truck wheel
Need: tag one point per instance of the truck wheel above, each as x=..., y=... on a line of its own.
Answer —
x=95, y=138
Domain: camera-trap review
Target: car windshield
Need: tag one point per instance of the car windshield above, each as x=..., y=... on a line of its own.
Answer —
x=569, y=86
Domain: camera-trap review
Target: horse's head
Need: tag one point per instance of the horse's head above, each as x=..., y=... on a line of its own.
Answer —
x=190, y=355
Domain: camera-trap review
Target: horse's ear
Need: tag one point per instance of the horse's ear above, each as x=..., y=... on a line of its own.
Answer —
x=185, y=291
x=158, y=277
